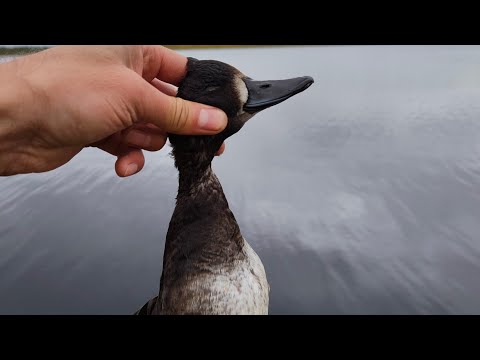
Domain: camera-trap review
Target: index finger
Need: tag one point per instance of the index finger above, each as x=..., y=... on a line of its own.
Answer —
x=164, y=64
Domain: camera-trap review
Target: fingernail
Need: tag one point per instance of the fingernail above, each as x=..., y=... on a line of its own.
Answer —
x=131, y=169
x=138, y=138
x=211, y=119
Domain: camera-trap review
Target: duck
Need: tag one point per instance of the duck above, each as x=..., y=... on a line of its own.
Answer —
x=208, y=266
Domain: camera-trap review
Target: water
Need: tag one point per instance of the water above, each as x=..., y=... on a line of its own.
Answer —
x=361, y=195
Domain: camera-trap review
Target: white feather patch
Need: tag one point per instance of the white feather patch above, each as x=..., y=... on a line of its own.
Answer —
x=241, y=90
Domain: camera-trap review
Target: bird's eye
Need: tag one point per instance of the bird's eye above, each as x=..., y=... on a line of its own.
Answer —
x=211, y=88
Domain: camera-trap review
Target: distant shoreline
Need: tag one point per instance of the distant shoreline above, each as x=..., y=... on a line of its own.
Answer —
x=20, y=50
x=30, y=50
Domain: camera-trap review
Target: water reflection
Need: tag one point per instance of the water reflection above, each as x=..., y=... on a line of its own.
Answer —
x=360, y=195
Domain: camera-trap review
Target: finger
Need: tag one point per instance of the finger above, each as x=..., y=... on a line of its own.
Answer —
x=175, y=115
x=150, y=138
x=130, y=162
x=144, y=126
x=221, y=150
x=164, y=87
x=112, y=144
x=143, y=137
x=164, y=64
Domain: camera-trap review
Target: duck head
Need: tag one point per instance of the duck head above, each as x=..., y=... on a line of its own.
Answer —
x=221, y=85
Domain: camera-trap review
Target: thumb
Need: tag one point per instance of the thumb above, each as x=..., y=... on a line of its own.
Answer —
x=179, y=116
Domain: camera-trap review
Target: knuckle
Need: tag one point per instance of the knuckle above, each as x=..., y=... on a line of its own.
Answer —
x=180, y=114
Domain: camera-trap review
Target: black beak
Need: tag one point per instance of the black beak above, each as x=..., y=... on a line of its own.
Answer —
x=263, y=94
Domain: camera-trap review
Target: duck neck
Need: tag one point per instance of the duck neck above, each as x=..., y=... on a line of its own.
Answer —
x=195, y=175
x=200, y=195
x=202, y=227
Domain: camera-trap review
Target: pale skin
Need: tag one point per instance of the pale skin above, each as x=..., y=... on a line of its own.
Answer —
x=120, y=99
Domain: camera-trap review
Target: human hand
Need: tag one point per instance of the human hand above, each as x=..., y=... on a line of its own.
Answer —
x=117, y=98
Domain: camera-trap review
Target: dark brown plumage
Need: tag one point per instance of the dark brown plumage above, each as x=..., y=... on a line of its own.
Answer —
x=204, y=242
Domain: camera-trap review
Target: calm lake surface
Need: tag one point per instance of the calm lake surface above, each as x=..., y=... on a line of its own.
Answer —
x=361, y=195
